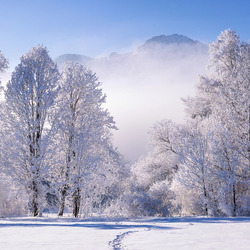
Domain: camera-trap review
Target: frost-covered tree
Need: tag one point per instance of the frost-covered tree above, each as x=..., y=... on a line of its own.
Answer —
x=152, y=175
x=30, y=96
x=12, y=197
x=85, y=134
x=223, y=99
x=211, y=150
x=194, y=169
x=3, y=65
x=3, y=62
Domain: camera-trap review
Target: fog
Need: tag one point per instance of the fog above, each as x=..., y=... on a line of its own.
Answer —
x=146, y=86
x=4, y=78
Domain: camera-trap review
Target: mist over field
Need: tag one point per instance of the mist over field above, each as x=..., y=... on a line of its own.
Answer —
x=146, y=85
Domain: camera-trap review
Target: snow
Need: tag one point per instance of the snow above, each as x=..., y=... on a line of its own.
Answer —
x=136, y=233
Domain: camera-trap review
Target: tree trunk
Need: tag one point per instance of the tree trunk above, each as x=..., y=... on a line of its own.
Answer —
x=76, y=202
x=65, y=187
x=35, y=205
x=62, y=201
x=205, y=196
x=234, y=201
x=204, y=191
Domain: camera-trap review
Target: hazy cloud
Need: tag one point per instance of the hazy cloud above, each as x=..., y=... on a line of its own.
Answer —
x=146, y=86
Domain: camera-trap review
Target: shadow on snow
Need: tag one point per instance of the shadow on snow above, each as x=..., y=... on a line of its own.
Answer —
x=100, y=226
x=114, y=223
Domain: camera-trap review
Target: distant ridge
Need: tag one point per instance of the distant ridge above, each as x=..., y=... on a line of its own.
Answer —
x=157, y=44
x=175, y=38
x=72, y=57
x=163, y=40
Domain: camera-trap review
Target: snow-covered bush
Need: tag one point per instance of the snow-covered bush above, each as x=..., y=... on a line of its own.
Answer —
x=13, y=201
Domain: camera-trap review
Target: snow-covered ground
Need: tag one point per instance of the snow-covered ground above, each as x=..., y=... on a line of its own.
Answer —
x=137, y=233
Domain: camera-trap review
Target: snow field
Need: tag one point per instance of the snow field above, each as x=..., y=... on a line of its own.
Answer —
x=225, y=235
x=131, y=234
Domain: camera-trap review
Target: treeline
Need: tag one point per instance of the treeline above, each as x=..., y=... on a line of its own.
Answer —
x=55, y=134
x=56, y=144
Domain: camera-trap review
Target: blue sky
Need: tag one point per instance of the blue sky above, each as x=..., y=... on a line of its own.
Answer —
x=98, y=27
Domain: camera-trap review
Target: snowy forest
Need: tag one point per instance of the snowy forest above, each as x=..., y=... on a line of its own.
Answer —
x=57, y=154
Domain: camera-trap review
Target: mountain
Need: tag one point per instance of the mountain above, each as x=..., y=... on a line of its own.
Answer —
x=72, y=57
x=175, y=40
x=161, y=44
